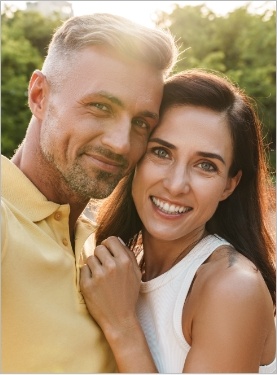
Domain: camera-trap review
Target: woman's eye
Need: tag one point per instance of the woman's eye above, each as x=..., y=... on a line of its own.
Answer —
x=161, y=153
x=208, y=167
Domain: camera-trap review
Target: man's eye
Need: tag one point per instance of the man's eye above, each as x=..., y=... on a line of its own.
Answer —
x=160, y=152
x=141, y=123
x=101, y=106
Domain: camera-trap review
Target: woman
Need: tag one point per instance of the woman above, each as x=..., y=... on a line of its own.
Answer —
x=195, y=213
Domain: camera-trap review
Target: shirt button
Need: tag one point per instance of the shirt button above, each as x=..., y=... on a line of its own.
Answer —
x=65, y=242
x=58, y=216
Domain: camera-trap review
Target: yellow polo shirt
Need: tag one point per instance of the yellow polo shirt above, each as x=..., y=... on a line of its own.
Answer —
x=45, y=324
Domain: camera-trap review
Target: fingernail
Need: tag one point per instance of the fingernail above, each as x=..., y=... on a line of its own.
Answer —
x=123, y=243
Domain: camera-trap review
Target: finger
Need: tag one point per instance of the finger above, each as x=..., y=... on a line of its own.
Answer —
x=129, y=251
x=85, y=272
x=121, y=252
x=85, y=278
x=121, y=240
x=116, y=246
x=93, y=263
x=104, y=255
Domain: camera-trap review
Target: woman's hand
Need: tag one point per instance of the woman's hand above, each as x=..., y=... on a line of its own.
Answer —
x=110, y=283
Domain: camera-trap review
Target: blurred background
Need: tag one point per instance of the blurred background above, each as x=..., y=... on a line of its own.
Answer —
x=237, y=38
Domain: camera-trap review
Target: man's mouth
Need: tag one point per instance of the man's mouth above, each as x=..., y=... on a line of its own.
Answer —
x=106, y=164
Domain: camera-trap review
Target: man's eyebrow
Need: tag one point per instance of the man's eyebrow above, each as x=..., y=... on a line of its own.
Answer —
x=111, y=97
x=153, y=115
x=116, y=100
x=211, y=155
x=163, y=143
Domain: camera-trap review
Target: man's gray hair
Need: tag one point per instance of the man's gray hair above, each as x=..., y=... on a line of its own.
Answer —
x=154, y=47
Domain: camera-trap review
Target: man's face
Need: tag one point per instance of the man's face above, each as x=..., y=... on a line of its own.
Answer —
x=96, y=125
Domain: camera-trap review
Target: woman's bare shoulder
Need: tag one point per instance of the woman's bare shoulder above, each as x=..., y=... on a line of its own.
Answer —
x=229, y=274
x=228, y=317
x=228, y=287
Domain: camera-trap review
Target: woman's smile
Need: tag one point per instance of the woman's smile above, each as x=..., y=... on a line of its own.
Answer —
x=169, y=208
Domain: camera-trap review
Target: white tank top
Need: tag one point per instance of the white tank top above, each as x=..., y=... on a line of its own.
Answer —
x=160, y=307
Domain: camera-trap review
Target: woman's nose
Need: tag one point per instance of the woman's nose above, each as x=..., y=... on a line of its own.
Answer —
x=177, y=181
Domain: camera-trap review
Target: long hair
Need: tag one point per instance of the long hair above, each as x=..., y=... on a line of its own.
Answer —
x=118, y=216
x=243, y=219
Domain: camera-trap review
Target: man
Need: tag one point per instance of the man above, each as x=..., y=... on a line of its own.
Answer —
x=93, y=105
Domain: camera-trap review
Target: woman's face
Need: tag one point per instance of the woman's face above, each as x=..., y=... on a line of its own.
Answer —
x=184, y=173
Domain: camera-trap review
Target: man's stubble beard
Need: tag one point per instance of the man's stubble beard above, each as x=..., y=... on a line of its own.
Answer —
x=99, y=186
x=74, y=179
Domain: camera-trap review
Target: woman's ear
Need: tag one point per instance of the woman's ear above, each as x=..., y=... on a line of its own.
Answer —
x=231, y=185
x=37, y=93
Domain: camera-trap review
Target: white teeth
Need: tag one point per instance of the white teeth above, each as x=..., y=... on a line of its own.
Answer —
x=169, y=209
x=172, y=208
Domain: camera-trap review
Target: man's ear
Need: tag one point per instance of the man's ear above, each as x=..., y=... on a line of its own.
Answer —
x=231, y=185
x=37, y=93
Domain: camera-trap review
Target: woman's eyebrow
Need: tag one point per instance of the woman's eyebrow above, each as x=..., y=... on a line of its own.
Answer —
x=163, y=143
x=200, y=153
x=211, y=155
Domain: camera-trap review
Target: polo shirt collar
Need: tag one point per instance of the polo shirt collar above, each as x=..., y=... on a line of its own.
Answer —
x=23, y=194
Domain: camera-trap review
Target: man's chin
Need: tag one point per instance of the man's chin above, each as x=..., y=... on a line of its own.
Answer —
x=97, y=191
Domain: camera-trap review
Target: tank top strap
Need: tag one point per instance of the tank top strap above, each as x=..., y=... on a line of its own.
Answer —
x=198, y=255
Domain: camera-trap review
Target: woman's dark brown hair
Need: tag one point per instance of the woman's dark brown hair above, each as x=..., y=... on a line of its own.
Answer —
x=243, y=218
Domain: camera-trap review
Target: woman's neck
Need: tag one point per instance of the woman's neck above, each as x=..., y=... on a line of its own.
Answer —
x=159, y=256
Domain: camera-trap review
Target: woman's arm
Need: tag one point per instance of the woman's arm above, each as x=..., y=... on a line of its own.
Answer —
x=231, y=313
x=110, y=283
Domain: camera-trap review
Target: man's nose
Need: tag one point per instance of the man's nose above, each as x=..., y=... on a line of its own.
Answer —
x=117, y=136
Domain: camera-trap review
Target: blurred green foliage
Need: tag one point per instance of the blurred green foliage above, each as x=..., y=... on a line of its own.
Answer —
x=241, y=45
x=25, y=36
